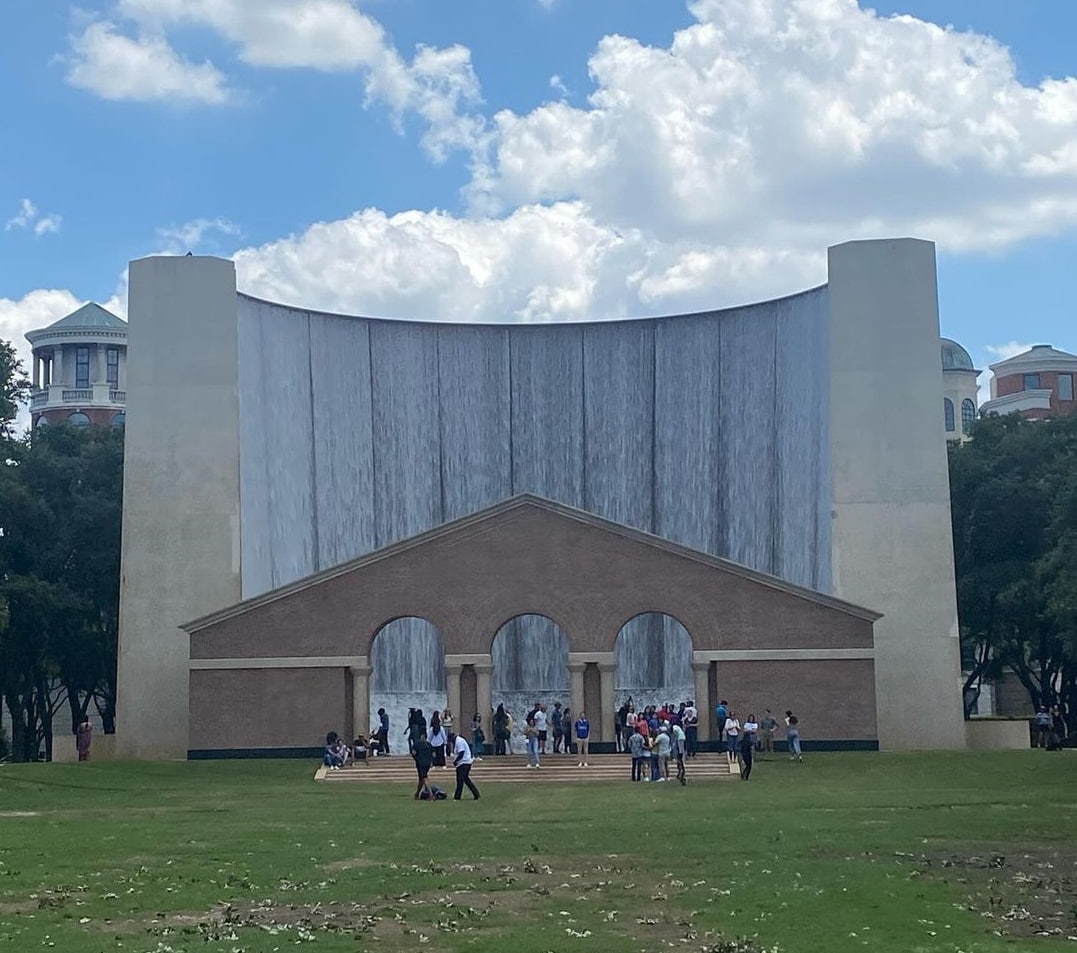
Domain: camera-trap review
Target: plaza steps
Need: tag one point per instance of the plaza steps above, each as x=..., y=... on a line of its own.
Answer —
x=400, y=769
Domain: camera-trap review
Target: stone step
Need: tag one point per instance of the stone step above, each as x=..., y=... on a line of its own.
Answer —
x=513, y=768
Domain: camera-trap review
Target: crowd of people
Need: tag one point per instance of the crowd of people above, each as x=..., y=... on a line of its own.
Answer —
x=657, y=737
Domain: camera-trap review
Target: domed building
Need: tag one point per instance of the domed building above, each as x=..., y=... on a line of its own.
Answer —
x=959, y=390
x=79, y=369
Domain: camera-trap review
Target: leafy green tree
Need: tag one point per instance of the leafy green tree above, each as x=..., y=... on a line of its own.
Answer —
x=1014, y=506
x=14, y=389
x=60, y=506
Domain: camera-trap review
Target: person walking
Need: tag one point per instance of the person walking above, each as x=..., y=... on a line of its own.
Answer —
x=747, y=752
x=462, y=760
x=583, y=735
x=679, y=746
x=663, y=749
x=423, y=753
x=792, y=736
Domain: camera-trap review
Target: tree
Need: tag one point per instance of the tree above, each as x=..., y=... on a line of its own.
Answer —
x=14, y=389
x=1014, y=508
x=60, y=505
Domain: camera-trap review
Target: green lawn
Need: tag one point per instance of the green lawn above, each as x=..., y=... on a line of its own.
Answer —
x=882, y=852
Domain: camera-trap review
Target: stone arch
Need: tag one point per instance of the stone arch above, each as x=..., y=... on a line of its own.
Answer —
x=529, y=653
x=407, y=661
x=653, y=658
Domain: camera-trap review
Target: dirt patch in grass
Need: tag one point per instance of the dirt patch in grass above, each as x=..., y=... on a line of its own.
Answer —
x=1021, y=893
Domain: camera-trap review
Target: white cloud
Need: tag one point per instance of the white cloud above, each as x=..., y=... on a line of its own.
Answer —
x=708, y=172
x=180, y=239
x=1003, y=351
x=439, y=85
x=142, y=68
x=29, y=217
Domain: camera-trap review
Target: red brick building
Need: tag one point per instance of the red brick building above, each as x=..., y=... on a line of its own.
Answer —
x=1038, y=382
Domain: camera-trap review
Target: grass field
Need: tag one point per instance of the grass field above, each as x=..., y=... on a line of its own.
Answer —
x=882, y=852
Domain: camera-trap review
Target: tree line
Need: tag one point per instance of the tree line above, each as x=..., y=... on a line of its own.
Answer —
x=60, y=503
x=1013, y=499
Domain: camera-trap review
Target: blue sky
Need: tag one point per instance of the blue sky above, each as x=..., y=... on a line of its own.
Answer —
x=541, y=160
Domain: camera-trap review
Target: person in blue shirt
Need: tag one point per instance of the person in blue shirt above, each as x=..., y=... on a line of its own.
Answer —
x=583, y=734
x=721, y=712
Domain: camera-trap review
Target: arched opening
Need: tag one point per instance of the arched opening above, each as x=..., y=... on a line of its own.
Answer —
x=530, y=664
x=653, y=655
x=407, y=671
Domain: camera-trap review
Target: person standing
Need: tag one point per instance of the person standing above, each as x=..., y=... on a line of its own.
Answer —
x=501, y=730
x=767, y=726
x=792, y=736
x=751, y=729
x=583, y=735
x=721, y=713
x=619, y=727
x=1042, y=723
x=691, y=729
x=637, y=748
x=566, y=720
x=478, y=737
x=663, y=748
x=542, y=727
x=679, y=745
x=83, y=738
x=747, y=751
x=462, y=760
x=732, y=735
x=423, y=753
x=531, y=735
x=438, y=740
x=557, y=723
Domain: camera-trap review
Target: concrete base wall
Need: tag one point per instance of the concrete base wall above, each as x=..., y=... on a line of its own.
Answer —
x=180, y=554
x=103, y=748
x=890, y=530
x=997, y=735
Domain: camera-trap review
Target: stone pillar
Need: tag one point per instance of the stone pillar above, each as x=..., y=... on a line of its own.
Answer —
x=56, y=366
x=452, y=696
x=360, y=700
x=484, y=697
x=606, y=671
x=37, y=373
x=575, y=674
x=701, y=678
x=101, y=372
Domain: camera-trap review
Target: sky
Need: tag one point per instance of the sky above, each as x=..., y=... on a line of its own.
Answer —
x=541, y=160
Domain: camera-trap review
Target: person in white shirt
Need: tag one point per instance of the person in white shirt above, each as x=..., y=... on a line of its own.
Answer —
x=690, y=720
x=732, y=734
x=461, y=759
x=541, y=725
x=679, y=745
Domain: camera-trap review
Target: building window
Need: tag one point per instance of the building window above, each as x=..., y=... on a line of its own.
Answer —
x=78, y=419
x=948, y=412
x=968, y=416
x=1032, y=382
x=113, y=363
x=119, y=419
x=82, y=368
x=1065, y=387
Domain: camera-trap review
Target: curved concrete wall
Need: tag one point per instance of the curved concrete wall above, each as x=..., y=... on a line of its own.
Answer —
x=709, y=430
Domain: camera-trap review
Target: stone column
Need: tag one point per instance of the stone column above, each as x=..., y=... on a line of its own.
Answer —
x=484, y=699
x=606, y=671
x=452, y=695
x=56, y=366
x=701, y=677
x=37, y=373
x=575, y=674
x=101, y=373
x=360, y=700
